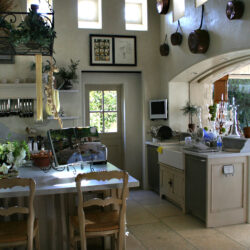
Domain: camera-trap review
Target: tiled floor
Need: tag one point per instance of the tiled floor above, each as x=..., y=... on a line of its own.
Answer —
x=156, y=224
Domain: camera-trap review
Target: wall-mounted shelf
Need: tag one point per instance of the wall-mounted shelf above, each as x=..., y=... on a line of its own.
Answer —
x=64, y=118
x=69, y=91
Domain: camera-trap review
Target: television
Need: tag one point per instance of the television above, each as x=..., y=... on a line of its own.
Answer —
x=158, y=109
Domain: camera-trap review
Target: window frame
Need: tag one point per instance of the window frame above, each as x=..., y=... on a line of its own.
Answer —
x=84, y=24
x=108, y=87
x=143, y=26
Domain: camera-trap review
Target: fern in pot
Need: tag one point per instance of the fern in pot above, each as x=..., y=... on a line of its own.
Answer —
x=190, y=110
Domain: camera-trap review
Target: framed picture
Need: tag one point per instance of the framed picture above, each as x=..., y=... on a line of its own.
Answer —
x=101, y=50
x=125, y=51
x=112, y=50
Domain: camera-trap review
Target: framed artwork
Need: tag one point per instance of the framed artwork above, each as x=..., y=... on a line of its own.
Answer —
x=101, y=50
x=125, y=50
x=112, y=50
x=199, y=3
x=178, y=9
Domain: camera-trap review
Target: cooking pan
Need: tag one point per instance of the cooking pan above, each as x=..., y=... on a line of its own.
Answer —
x=176, y=38
x=164, y=48
x=235, y=9
x=198, y=40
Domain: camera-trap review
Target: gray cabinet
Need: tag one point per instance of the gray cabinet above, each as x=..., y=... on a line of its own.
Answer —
x=195, y=188
x=153, y=168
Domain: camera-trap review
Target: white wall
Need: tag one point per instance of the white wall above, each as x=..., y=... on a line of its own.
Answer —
x=226, y=37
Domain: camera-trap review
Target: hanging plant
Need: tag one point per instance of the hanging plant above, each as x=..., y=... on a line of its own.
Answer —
x=33, y=31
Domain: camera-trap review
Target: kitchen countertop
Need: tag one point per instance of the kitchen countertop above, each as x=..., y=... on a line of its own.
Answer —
x=59, y=182
x=162, y=143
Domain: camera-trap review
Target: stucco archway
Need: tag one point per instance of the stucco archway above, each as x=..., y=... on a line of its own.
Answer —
x=195, y=84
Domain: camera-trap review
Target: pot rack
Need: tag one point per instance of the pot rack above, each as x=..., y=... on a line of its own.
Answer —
x=6, y=48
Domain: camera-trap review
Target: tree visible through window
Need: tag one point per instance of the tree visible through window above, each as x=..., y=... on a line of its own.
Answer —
x=240, y=89
x=103, y=111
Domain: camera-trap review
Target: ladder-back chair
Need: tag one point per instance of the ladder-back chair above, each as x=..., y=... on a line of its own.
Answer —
x=100, y=222
x=16, y=233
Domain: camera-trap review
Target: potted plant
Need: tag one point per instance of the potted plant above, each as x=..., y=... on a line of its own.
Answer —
x=246, y=129
x=12, y=155
x=190, y=110
x=34, y=32
x=65, y=75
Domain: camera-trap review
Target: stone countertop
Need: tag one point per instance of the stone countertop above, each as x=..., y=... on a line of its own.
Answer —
x=59, y=182
x=162, y=143
x=214, y=155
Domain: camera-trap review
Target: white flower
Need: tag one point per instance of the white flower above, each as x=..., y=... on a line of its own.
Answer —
x=4, y=169
x=10, y=158
x=10, y=147
x=20, y=158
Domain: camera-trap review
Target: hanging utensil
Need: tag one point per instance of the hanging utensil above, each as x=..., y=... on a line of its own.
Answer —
x=164, y=48
x=235, y=9
x=176, y=38
x=198, y=40
x=162, y=6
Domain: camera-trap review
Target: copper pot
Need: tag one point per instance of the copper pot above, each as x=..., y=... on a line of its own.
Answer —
x=164, y=48
x=176, y=38
x=235, y=9
x=198, y=40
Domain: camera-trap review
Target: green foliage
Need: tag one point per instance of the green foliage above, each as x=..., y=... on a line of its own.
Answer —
x=99, y=115
x=240, y=89
x=70, y=73
x=32, y=30
x=190, y=110
x=212, y=111
x=45, y=67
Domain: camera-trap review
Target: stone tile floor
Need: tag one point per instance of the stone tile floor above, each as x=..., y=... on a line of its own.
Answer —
x=156, y=224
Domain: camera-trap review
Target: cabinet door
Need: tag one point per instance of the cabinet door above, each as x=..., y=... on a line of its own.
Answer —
x=166, y=181
x=178, y=186
x=153, y=168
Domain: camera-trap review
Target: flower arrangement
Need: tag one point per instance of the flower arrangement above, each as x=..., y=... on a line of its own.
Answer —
x=12, y=156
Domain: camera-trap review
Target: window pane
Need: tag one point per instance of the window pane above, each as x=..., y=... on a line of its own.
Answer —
x=133, y=13
x=110, y=122
x=95, y=101
x=240, y=89
x=95, y=119
x=43, y=5
x=110, y=100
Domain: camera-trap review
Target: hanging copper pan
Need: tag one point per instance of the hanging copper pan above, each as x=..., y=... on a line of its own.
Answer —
x=162, y=6
x=198, y=40
x=176, y=38
x=235, y=9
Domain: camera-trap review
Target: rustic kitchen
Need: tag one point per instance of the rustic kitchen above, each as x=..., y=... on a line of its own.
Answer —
x=141, y=106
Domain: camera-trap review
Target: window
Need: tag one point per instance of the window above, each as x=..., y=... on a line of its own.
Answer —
x=44, y=5
x=103, y=110
x=136, y=17
x=240, y=89
x=90, y=14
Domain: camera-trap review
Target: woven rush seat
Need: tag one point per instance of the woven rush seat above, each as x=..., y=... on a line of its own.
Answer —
x=14, y=231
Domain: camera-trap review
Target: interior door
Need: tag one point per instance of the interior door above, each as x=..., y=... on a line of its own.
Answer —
x=103, y=110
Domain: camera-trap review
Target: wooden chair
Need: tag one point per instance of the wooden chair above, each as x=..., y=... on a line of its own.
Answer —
x=16, y=233
x=99, y=222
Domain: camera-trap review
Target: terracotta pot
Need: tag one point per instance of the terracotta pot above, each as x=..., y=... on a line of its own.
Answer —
x=191, y=127
x=247, y=132
x=235, y=9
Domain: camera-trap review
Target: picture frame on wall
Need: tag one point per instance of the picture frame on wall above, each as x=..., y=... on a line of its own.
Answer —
x=101, y=50
x=113, y=50
x=125, y=51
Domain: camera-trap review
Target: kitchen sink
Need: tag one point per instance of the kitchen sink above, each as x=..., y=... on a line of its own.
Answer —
x=173, y=156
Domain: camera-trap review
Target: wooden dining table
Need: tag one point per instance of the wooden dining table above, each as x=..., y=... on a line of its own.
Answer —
x=56, y=199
